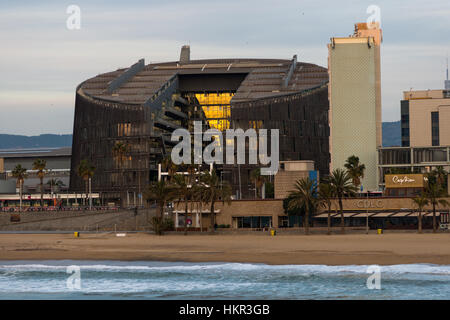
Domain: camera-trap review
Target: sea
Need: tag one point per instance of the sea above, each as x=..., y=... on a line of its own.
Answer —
x=118, y=280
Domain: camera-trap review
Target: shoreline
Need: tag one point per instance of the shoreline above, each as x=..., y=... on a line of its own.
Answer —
x=350, y=249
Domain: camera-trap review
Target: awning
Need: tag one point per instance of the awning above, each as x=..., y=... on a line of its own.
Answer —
x=392, y=214
x=381, y=214
x=196, y=211
x=336, y=215
x=362, y=215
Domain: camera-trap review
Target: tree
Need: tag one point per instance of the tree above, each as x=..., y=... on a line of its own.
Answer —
x=213, y=191
x=184, y=193
x=326, y=193
x=434, y=192
x=20, y=174
x=441, y=176
x=304, y=196
x=161, y=192
x=168, y=165
x=120, y=151
x=54, y=183
x=355, y=169
x=258, y=180
x=40, y=166
x=420, y=203
x=342, y=185
x=86, y=171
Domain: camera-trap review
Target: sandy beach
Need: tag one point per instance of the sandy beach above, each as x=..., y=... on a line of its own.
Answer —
x=386, y=249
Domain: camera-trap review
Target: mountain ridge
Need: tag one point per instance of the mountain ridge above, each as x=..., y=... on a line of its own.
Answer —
x=391, y=137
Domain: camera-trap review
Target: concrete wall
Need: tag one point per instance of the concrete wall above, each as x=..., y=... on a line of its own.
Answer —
x=78, y=221
x=240, y=208
x=284, y=182
x=420, y=121
x=8, y=186
x=444, y=124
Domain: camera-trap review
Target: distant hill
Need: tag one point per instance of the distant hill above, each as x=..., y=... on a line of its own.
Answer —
x=9, y=141
x=392, y=136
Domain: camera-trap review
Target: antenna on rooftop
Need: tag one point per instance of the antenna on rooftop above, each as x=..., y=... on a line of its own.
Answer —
x=447, y=67
x=447, y=82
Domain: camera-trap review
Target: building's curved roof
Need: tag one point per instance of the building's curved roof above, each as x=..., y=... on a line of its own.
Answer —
x=264, y=78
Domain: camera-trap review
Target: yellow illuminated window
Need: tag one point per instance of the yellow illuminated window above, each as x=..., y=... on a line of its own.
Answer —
x=216, y=107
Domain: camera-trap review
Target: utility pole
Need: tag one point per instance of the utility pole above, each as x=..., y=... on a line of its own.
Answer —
x=367, y=213
x=139, y=184
x=90, y=194
x=20, y=193
x=240, y=189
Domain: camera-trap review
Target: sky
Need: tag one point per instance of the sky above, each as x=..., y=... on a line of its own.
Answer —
x=42, y=61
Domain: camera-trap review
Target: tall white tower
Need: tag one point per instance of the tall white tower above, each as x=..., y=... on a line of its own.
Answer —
x=355, y=100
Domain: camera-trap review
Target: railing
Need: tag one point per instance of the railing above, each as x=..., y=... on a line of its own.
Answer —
x=57, y=209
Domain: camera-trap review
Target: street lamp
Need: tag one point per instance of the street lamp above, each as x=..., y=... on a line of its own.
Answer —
x=90, y=193
x=139, y=182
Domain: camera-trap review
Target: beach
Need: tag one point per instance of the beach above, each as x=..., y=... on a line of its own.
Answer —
x=351, y=249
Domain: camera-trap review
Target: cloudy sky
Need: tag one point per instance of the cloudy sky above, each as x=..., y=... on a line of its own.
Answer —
x=42, y=61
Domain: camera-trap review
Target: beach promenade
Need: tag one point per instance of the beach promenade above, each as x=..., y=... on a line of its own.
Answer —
x=385, y=249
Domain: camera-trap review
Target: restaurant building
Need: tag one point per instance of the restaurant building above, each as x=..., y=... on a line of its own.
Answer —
x=380, y=212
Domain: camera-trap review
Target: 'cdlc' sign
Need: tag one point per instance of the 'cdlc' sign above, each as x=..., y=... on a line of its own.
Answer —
x=372, y=203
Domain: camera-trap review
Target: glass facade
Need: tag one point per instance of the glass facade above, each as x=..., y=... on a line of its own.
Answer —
x=254, y=222
x=216, y=107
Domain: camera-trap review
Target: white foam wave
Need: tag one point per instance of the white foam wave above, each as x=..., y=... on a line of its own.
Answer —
x=225, y=267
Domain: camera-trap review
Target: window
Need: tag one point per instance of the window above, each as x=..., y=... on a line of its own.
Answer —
x=254, y=222
x=435, y=128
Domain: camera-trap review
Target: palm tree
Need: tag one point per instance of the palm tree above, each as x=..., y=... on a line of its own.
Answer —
x=54, y=183
x=326, y=193
x=342, y=185
x=86, y=171
x=420, y=202
x=304, y=196
x=213, y=191
x=40, y=165
x=258, y=179
x=355, y=169
x=162, y=193
x=184, y=194
x=20, y=174
x=120, y=151
x=441, y=175
x=168, y=165
x=198, y=200
x=434, y=192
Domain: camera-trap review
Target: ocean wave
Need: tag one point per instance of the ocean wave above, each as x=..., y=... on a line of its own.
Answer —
x=226, y=267
x=167, y=280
